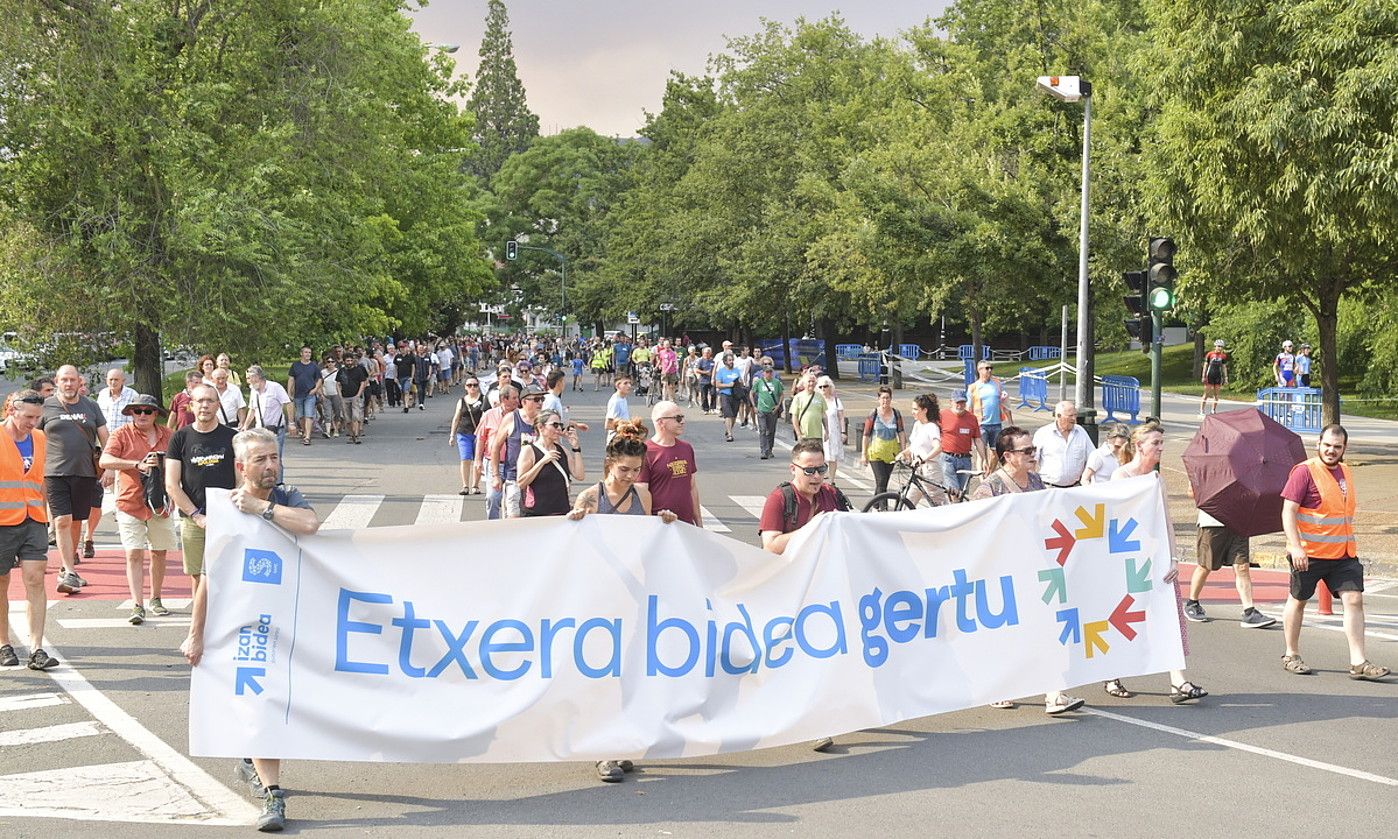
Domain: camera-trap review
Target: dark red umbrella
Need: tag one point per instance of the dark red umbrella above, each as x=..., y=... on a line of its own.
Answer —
x=1237, y=466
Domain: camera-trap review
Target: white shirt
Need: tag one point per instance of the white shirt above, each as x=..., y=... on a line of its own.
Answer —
x=1061, y=461
x=267, y=406
x=925, y=438
x=230, y=401
x=111, y=406
x=617, y=409
x=1103, y=463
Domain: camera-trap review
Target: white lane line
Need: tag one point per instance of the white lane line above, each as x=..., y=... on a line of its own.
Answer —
x=31, y=700
x=354, y=512
x=49, y=733
x=170, y=603
x=118, y=623
x=1337, y=626
x=440, y=509
x=1244, y=747
x=228, y=807
x=712, y=523
x=138, y=791
x=752, y=503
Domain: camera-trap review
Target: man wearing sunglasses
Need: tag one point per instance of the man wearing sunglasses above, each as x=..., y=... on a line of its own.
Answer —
x=809, y=490
x=136, y=450
x=670, y=466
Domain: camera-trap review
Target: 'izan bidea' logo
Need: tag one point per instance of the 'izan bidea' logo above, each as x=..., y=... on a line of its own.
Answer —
x=262, y=567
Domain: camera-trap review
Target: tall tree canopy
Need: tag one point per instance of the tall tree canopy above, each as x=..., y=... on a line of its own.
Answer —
x=238, y=176
x=504, y=123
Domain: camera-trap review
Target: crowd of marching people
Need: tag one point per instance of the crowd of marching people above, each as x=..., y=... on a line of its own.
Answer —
x=66, y=443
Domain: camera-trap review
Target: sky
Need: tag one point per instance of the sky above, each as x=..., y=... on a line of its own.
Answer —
x=602, y=63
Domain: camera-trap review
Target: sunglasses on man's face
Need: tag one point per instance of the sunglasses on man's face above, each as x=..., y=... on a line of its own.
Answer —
x=142, y=411
x=814, y=470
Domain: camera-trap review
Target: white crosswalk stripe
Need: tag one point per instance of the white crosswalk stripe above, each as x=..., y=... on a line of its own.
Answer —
x=712, y=523
x=752, y=503
x=440, y=509
x=49, y=733
x=353, y=512
x=31, y=700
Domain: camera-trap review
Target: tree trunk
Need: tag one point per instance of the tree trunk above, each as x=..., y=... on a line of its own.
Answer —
x=1327, y=322
x=147, y=363
x=1198, y=354
x=825, y=330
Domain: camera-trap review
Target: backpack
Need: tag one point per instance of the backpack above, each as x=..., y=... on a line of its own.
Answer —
x=842, y=504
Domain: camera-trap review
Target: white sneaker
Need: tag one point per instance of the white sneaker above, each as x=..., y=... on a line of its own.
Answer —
x=1063, y=704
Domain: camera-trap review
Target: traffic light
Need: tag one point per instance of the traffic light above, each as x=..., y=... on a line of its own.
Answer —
x=1137, y=323
x=512, y=249
x=1161, y=274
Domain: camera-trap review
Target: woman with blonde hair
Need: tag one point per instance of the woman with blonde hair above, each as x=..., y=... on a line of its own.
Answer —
x=835, y=434
x=1146, y=445
x=545, y=468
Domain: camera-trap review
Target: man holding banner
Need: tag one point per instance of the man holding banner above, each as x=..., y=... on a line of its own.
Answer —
x=257, y=464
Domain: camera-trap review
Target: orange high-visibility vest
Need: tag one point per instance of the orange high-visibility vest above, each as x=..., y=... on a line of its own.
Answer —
x=1327, y=531
x=21, y=492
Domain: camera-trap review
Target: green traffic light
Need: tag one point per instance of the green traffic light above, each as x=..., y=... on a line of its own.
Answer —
x=1162, y=299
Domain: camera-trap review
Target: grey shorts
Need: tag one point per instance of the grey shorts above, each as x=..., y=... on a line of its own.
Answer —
x=24, y=542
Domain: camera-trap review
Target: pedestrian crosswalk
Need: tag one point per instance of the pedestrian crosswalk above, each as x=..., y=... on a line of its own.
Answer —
x=734, y=515
x=115, y=770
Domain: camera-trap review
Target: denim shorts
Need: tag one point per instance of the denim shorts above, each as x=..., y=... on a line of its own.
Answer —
x=950, y=464
x=305, y=406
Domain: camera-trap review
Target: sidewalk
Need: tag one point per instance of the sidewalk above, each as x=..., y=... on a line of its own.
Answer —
x=1373, y=455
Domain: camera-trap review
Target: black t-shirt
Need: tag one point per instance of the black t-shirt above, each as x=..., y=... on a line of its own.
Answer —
x=404, y=367
x=424, y=367
x=351, y=377
x=206, y=460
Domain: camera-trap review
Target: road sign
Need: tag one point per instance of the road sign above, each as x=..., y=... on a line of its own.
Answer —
x=667, y=307
x=631, y=318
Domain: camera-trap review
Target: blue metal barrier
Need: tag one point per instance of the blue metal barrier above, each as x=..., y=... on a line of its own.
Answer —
x=1044, y=353
x=806, y=351
x=869, y=364
x=848, y=352
x=966, y=351
x=912, y=352
x=1033, y=389
x=773, y=349
x=1297, y=408
x=1121, y=393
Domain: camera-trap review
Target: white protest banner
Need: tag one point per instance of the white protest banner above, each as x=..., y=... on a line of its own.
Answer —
x=620, y=636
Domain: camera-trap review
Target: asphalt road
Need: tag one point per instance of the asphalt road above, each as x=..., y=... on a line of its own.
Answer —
x=98, y=744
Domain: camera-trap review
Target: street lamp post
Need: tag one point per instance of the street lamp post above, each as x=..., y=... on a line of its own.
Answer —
x=1073, y=89
x=563, y=276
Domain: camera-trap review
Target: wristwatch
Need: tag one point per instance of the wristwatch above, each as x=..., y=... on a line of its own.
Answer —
x=577, y=450
x=267, y=513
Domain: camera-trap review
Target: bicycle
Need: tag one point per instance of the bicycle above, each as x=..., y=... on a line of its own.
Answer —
x=927, y=491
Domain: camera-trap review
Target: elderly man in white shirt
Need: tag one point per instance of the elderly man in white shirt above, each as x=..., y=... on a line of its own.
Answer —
x=1063, y=447
x=116, y=396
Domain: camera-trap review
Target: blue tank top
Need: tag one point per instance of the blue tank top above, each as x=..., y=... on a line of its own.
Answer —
x=605, y=506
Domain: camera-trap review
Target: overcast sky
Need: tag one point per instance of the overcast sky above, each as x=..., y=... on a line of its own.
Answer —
x=600, y=63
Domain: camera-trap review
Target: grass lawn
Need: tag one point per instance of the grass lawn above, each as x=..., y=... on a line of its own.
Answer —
x=1176, y=367
x=174, y=382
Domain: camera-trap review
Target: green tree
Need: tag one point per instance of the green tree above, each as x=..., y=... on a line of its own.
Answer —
x=241, y=177
x=504, y=123
x=1275, y=161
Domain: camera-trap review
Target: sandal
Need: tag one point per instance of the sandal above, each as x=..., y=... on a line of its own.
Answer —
x=1003, y=704
x=1294, y=664
x=1117, y=689
x=1186, y=691
x=1367, y=671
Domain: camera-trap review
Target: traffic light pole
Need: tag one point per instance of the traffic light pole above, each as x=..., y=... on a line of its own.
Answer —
x=563, y=278
x=1156, y=341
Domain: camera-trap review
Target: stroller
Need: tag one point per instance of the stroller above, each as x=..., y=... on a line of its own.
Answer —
x=645, y=382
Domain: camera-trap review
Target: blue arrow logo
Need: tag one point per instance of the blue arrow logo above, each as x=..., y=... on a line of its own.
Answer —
x=1071, y=626
x=1119, y=541
x=246, y=679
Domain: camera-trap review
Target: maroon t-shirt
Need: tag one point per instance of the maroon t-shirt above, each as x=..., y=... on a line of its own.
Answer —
x=181, y=407
x=669, y=472
x=1300, y=486
x=773, y=511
